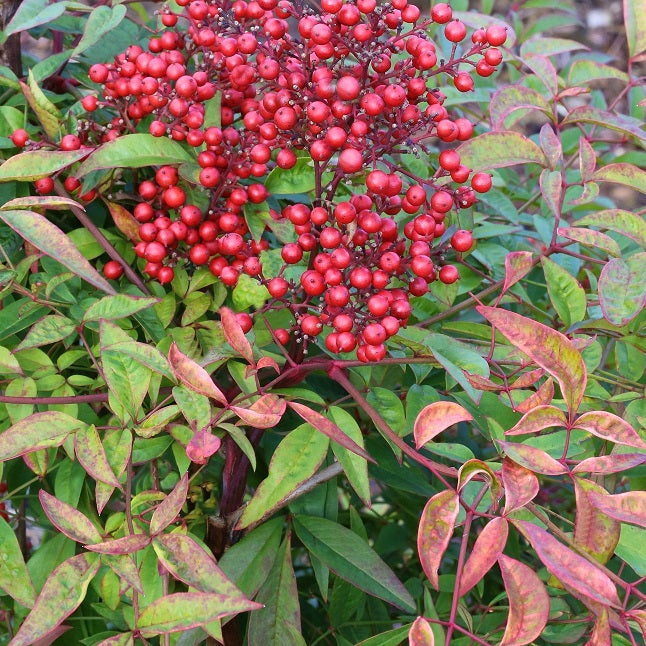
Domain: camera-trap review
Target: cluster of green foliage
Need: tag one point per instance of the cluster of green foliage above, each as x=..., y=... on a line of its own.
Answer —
x=173, y=480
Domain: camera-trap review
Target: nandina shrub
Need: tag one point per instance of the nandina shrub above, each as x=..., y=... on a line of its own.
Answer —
x=261, y=392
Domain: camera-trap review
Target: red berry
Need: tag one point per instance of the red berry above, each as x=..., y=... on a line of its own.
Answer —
x=496, y=35
x=112, y=269
x=449, y=274
x=19, y=137
x=481, y=182
x=44, y=185
x=455, y=31
x=462, y=240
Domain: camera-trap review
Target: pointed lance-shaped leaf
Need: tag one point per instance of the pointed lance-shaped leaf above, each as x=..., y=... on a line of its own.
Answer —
x=421, y=634
x=69, y=520
x=91, y=455
x=486, y=550
x=472, y=468
x=542, y=397
x=520, y=484
x=548, y=348
x=234, y=334
x=169, y=508
x=622, y=288
x=14, y=576
x=595, y=532
x=529, y=603
x=124, y=545
x=192, y=375
x=38, y=431
x=517, y=265
x=125, y=567
x=638, y=615
x=527, y=379
x=613, y=463
x=437, y=417
x=538, y=419
x=568, y=566
x=628, y=507
x=265, y=412
x=533, y=458
x=202, y=446
x=329, y=428
x=185, y=610
x=62, y=594
x=28, y=166
x=435, y=530
x=188, y=561
x=608, y=426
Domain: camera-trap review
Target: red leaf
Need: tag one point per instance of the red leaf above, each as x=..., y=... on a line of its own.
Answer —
x=595, y=532
x=192, y=375
x=329, y=428
x=614, y=463
x=68, y=520
x=482, y=383
x=609, y=427
x=437, y=417
x=529, y=603
x=521, y=485
x=629, y=507
x=421, y=634
x=268, y=362
x=534, y=459
x=548, y=348
x=62, y=594
x=601, y=635
x=527, y=379
x=517, y=265
x=202, y=446
x=124, y=545
x=486, y=550
x=567, y=566
x=537, y=419
x=265, y=412
x=541, y=397
x=234, y=334
x=435, y=530
x=170, y=507
x=640, y=617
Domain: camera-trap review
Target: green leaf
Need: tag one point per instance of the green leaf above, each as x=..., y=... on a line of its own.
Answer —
x=32, y=13
x=390, y=638
x=539, y=44
x=249, y=292
x=500, y=149
x=566, y=295
x=354, y=466
x=622, y=288
x=389, y=406
x=134, y=151
x=91, y=454
x=47, y=113
x=184, y=610
x=61, y=595
x=49, y=239
x=117, y=306
x=349, y=556
x=188, y=561
x=548, y=348
x=101, y=21
x=552, y=190
x=621, y=123
x=248, y=562
x=624, y=222
x=591, y=238
x=48, y=330
x=295, y=460
x=622, y=173
x=279, y=622
x=545, y=71
x=631, y=548
x=298, y=179
x=635, y=23
x=14, y=577
x=36, y=164
x=38, y=431
x=583, y=71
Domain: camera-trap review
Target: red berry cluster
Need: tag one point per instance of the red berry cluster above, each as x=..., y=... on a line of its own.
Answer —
x=351, y=86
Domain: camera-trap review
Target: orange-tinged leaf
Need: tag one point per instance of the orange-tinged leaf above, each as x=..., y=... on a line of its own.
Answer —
x=329, y=428
x=568, y=566
x=482, y=383
x=420, y=633
x=234, y=334
x=437, y=417
x=597, y=533
x=527, y=379
x=265, y=412
x=124, y=221
x=521, y=485
x=613, y=463
x=548, y=348
x=601, y=635
x=533, y=458
x=186, y=610
x=435, y=530
x=124, y=545
x=68, y=520
x=169, y=508
x=187, y=561
x=529, y=603
x=609, y=427
x=192, y=375
x=486, y=550
x=542, y=397
x=517, y=265
x=62, y=594
x=629, y=507
x=538, y=419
